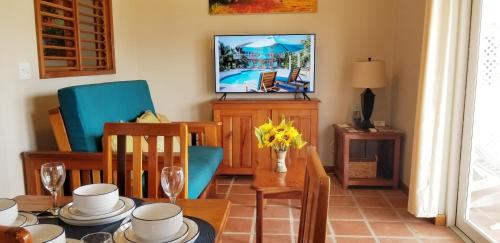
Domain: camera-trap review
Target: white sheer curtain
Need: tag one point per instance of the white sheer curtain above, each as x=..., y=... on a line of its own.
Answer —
x=440, y=80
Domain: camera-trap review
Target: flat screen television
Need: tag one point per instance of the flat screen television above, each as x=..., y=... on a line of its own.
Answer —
x=276, y=63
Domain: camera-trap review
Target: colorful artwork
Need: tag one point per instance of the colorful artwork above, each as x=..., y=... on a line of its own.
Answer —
x=262, y=6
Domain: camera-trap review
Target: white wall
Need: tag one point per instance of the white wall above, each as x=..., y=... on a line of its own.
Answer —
x=169, y=43
x=24, y=120
x=408, y=27
x=175, y=43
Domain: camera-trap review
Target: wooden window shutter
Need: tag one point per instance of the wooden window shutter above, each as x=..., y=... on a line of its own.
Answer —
x=75, y=37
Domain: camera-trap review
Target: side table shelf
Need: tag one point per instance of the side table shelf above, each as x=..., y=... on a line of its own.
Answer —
x=385, y=145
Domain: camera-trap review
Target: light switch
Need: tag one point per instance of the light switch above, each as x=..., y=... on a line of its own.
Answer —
x=24, y=70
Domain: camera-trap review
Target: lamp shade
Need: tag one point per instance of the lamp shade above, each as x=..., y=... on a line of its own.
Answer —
x=369, y=74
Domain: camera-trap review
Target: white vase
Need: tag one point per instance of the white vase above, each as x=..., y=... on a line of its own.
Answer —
x=280, y=163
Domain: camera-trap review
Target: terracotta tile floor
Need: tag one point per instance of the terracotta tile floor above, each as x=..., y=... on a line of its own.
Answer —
x=355, y=215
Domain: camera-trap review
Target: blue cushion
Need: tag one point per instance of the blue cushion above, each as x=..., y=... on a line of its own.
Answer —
x=85, y=109
x=203, y=163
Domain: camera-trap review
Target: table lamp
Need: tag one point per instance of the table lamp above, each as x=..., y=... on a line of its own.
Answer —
x=368, y=75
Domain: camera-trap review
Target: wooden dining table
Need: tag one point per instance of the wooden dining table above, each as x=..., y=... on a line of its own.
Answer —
x=214, y=211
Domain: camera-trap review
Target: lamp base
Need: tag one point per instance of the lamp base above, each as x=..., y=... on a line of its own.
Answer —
x=367, y=103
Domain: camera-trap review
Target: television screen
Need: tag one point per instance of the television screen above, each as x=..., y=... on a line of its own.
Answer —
x=264, y=63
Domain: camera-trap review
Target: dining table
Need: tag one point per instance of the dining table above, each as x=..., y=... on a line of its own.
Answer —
x=213, y=211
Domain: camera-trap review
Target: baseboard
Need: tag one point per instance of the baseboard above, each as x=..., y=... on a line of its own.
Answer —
x=403, y=187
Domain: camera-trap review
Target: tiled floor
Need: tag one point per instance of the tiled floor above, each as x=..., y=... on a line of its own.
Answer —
x=356, y=215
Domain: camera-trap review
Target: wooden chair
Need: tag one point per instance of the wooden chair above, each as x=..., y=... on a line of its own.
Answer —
x=150, y=132
x=14, y=235
x=314, y=212
x=85, y=168
x=267, y=82
x=204, y=134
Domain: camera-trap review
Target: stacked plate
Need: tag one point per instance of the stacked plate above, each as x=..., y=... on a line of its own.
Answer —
x=11, y=216
x=158, y=222
x=96, y=204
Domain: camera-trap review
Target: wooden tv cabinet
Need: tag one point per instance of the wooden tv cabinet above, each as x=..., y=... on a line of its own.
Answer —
x=239, y=117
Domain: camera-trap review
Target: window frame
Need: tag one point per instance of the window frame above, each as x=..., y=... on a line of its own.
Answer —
x=108, y=34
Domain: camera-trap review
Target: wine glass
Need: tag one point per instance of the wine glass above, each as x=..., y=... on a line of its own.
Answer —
x=53, y=176
x=99, y=237
x=172, y=181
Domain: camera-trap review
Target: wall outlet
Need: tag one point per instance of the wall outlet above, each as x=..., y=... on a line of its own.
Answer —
x=24, y=70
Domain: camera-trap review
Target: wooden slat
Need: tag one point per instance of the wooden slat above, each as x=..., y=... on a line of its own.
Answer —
x=90, y=23
x=58, y=47
x=62, y=27
x=59, y=58
x=86, y=179
x=75, y=180
x=92, y=32
x=183, y=131
x=60, y=68
x=94, y=58
x=91, y=15
x=56, y=6
x=96, y=176
x=93, y=49
x=58, y=37
x=92, y=41
x=89, y=6
x=153, y=178
x=137, y=167
x=57, y=16
x=93, y=67
x=168, y=152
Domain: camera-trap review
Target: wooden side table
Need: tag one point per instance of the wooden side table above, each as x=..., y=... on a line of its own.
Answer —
x=270, y=184
x=387, y=149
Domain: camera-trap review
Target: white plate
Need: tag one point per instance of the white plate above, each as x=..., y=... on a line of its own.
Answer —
x=77, y=214
x=68, y=218
x=130, y=236
x=192, y=235
x=25, y=219
x=194, y=231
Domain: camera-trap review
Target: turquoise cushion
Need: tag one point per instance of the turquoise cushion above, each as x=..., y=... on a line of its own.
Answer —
x=85, y=109
x=203, y=163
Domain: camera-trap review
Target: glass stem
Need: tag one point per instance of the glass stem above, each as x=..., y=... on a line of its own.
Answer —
x=172, y=200
x=54, y=203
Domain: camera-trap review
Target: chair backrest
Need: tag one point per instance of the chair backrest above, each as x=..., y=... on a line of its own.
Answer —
x=313, y=217
x=267, y=80
x=14, y=235
x=150, y=132
x=294, y=74
x=85, y=109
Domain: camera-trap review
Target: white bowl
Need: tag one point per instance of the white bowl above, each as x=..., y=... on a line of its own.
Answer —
x=47, y=233
x=8, y=211
x=157, y=221
x=95, y=198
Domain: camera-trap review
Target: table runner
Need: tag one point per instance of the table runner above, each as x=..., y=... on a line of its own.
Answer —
x=207, y=231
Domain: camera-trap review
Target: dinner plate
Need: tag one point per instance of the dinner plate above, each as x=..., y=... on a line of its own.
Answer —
x=192, y=235
x=130, y=236
x=68, y=218
x=25, y=219
x=77, y=214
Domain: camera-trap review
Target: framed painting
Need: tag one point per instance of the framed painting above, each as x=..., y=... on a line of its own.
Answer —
x=262, y=6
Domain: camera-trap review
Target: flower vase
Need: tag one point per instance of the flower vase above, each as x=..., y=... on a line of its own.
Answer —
x=280, y=163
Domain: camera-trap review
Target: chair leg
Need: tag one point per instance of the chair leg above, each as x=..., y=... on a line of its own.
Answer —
x=260, y=209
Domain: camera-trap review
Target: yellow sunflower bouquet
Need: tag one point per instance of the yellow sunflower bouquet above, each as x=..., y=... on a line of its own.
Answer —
x=279, y=137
